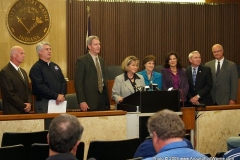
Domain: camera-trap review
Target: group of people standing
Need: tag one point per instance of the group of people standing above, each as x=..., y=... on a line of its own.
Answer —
x=214, y=83
x=218, y=77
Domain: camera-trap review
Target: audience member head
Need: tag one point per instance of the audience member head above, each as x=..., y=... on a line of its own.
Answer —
x=17, y=55
x=64, y=134
x=194, y=58
x=148, y=63
x=172, y=59
x=130, y=64
x=217, y=51
x=44, y=51
x=165, y=127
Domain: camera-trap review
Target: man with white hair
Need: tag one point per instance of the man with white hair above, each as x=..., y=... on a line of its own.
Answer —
x=199, y=80
x=47, y=79
x=16, y=95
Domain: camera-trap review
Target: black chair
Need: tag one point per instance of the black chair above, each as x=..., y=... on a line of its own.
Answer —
x=24, y=138
x=207, y=154
x=1, y=108
x=113, y=71
x=15, y=152
x=158, y=68
x=109, y=150
x=220, y=154
x=72, y=102
x=41, y=151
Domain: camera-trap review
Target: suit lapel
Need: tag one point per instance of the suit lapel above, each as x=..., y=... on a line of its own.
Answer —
x=189, y=73
x=224, y=65
x=15, y=72
x=129, y=85
x=90, y=60
x=198, y=74
x=212, y=66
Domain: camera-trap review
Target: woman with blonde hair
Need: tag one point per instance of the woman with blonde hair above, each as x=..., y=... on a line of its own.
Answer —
x=129, y=82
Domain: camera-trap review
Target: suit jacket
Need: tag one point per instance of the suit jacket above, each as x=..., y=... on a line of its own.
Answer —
x=225, y=86
x=15, y=90
x=124, y=88
x=203, y=84
x=168, y=82
x=157, y=78
x=86, y=82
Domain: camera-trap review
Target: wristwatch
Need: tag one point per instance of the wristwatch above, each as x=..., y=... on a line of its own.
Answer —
x=198, y=96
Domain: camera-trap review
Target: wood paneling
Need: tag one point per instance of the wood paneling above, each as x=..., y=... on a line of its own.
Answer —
x=140, y=29
x=56, y=36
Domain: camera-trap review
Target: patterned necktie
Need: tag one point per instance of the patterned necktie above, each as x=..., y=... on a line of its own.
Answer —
x=100, y=85
x=194, y=74
x=19, y=71
x=218, y=69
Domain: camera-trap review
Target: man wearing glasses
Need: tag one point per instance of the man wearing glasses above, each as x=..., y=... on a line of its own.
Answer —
x=225, y=78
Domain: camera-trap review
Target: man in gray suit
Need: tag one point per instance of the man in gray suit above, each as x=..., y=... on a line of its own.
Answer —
x=225, y=78
x=90, y=79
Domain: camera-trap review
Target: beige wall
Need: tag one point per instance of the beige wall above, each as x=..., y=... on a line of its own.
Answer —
x=56, y=36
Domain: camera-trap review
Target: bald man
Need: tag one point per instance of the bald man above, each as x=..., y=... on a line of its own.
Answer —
x=16, y=95
x=225, y=78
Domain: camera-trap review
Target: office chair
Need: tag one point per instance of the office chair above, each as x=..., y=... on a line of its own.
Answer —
x=39, y=151
x=72, y=102
x=158, y=68
x=113, y=71
x=24, y=138
x=220, y=154
x=12, y=152
x=117, y=150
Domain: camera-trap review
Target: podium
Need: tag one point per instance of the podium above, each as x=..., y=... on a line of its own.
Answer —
x=151, y=101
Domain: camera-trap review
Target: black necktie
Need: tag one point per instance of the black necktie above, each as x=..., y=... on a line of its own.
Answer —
x=218, y=69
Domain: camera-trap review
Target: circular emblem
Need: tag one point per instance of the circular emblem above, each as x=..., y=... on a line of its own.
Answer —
x=28, y=21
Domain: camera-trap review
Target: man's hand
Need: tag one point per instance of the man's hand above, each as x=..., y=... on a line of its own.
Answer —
x=60, y=99
x=28, y=107
x=232, y=102
x=194, y=100
x=83, y=106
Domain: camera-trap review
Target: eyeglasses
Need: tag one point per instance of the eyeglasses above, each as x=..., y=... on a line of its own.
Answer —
x=217, y=51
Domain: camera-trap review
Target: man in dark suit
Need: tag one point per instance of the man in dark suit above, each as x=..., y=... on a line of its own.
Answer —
x=225, y=78
x=16, y=95
x=90, y=79
x=199, y=80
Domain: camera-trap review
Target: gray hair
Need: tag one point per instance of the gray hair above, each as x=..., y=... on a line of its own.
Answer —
x=166, y=124
x=40, y=45
x=64, y=132
x=90, y=38
x=191, y=54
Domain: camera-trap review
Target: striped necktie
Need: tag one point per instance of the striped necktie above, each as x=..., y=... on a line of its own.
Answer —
x=99, y=75
x=19, y=71
x=194, y=74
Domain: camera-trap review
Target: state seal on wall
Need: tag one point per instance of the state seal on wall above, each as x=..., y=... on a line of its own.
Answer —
x=28, y=21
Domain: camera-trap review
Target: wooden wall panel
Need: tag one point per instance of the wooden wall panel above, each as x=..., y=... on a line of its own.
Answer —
x=56, y=36
x=140, y=29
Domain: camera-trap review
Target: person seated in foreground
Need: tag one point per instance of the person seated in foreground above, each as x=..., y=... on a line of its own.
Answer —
x=232, y=154
x=146, y=148
x=167, y=131
x=63, y=137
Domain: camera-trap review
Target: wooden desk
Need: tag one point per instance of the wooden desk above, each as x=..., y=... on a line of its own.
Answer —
x=102, y=125
x=214, y=126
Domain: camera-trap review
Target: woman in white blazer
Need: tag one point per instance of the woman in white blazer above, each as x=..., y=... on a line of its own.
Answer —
x=129, y=82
